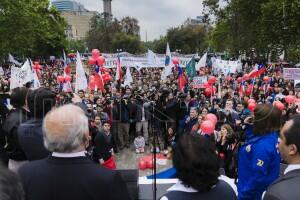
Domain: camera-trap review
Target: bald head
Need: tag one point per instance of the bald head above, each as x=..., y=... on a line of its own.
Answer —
x=65, y=129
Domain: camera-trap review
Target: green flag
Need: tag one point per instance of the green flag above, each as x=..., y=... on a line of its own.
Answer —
x=190, y=69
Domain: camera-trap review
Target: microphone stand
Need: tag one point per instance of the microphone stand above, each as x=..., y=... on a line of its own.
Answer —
x=154, y=154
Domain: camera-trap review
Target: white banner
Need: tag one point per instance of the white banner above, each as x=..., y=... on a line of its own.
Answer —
x=226, y=66
x=142, y=61
x=198, y=81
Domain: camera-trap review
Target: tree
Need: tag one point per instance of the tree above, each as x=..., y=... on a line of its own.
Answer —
x=130, y=26
x=189, y=39
x=261, y=25
x=29, y=28
x=111, y=35
x=129, y=43
x=77, y=45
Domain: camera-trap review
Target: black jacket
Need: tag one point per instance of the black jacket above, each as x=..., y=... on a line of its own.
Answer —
x=103, y=146
x=10, y=128
x=139, y=111
x=285, y=188
x=75, y=178
x=31, y=140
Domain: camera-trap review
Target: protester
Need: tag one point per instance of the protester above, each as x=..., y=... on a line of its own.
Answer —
x=66, y=135
x=197, y=167
x=139, y=143
x=286, y=187
x=10, y=185
x=104, y=143
x=30, y=134
x=18, y=115
x=259, y=159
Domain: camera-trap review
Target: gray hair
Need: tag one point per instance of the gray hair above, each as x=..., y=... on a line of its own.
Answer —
x=64, y=129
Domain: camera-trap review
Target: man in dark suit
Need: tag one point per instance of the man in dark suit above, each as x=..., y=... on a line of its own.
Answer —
x=68, y=173
x=287, y=186
x=104, y=144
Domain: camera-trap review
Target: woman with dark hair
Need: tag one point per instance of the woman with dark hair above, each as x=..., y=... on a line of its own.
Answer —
x=197, y=166
x=259, y=159
x=18, y=115
x=226, y=145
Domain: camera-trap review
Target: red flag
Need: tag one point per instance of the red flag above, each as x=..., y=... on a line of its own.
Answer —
x=181, y=79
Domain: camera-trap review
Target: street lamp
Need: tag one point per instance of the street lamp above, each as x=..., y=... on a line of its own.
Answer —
x=119, y=50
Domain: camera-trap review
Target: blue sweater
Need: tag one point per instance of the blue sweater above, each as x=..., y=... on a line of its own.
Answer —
x=259, y=166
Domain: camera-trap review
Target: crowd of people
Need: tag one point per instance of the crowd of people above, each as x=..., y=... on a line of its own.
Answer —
x=41, y=128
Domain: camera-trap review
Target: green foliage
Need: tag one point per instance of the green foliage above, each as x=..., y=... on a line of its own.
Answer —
x=263, y=25
x=29, y=28
x=189, y=39
x=109, y=36
x=76, y=45
x=129, y=43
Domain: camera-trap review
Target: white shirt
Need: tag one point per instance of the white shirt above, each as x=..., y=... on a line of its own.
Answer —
x=291, y=168
x=69, y=155
x=180, y=187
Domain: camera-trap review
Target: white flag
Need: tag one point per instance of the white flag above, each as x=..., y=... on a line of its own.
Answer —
x=1, y=71
x=152, y=58
x=167, y=71
x=128, y=78
x=36, y=81
x=202, y=62
x=81, y=82
x=25, y=74
x=13, y=60
x=14, y=79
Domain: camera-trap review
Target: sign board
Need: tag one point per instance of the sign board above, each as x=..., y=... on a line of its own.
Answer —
x=291, y=73
x=198, y=81
x=297, y=85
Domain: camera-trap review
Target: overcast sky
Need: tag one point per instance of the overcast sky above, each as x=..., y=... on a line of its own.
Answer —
x=155, y=16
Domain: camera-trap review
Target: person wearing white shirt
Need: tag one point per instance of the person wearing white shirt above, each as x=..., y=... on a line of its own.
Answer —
x=287, y=186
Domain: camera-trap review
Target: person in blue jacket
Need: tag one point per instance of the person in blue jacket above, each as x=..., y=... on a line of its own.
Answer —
x=259, y=158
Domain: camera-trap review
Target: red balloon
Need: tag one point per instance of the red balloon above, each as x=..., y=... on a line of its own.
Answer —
x=95, y=53
x=212, y=117
x=208, y=91
x=36, y=63
x=68, y=78
x=266, y=79
x=248, y=91
x=251, y=101
x=246, y=77
x=92, y=61
x=290, y=99
x=68, y=70
x=100, y=60
x=175, y=61
x=142, y=165
x=212, y=80
x=92, y=84
x=239, y=79
x=206, y=85
x=60, y=79
x=149, y=164
x=207, y=127
x=251, y=106
x=92, y=77
x=279, y=105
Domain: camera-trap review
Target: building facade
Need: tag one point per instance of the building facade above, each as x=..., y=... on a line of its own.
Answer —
x=77, y=17
x=69, y=6
x=199, y=20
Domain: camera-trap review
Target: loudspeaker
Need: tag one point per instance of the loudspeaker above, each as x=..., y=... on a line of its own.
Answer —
x=130, y=176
